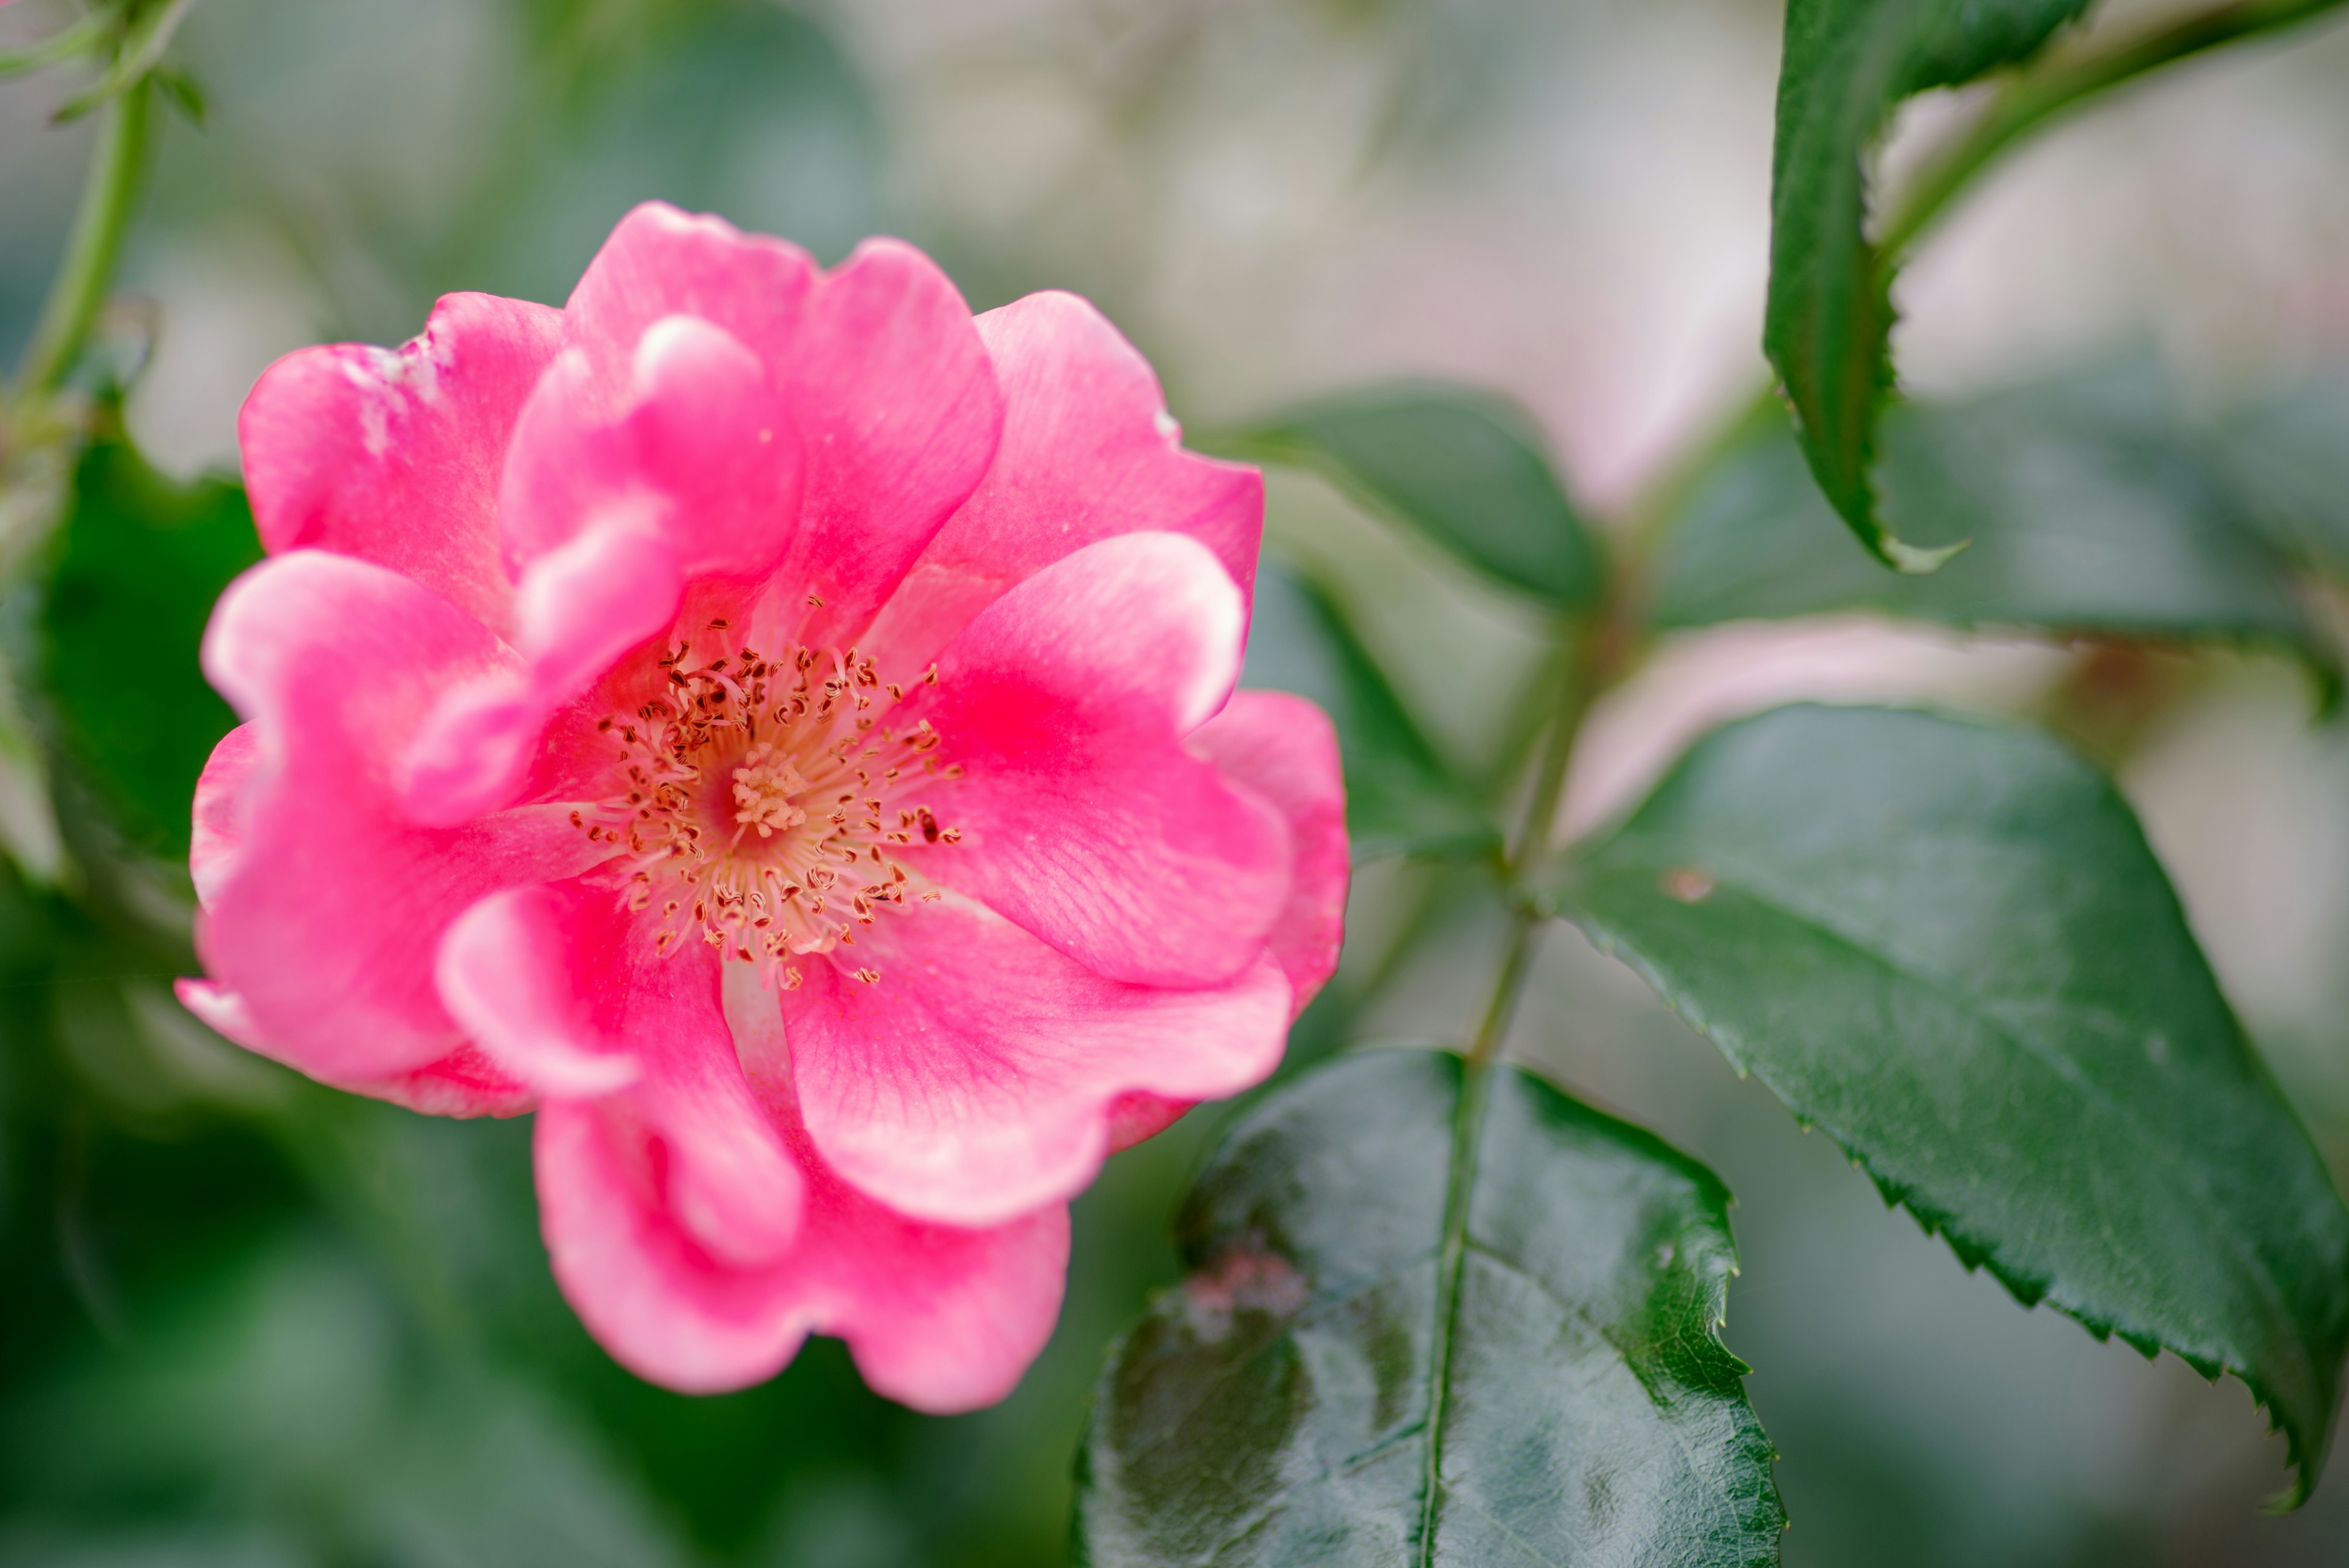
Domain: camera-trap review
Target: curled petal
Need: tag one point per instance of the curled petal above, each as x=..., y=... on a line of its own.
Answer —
x=937, y=1318
x=561, y=987
x=974, y=1080
x=463, y=1082
x=697, y=436
x=393, y=455
x=1088, y=452
x=326, y=918
x=1283, y=749
x=1084, y=817
x=879, y=365
x=506, y=973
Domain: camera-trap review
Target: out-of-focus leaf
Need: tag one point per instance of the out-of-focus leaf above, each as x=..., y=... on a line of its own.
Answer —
x=746, y=110
x=2290, y=456
x=1461, y=467
x=1846, y=65
x=77, y=38
x=1948, y=944
x=142, y=559
x=2091, y=509
x=142, y=50
x=1400, y=799
x=28, y=819
x=1421, y=1331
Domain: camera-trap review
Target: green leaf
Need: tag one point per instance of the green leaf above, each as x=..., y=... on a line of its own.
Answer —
x=2091, y=509
x=143, y=559
x=1400, y=799
x=1462, y=467
x=1846, y=65
x=1419, y=1331
x=1948, y=944
x=2290, y=456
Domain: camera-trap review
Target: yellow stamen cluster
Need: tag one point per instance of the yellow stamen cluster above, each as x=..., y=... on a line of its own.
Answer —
x=759, y=803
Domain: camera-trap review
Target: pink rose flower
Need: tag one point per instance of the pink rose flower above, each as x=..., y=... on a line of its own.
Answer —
x=781, y=729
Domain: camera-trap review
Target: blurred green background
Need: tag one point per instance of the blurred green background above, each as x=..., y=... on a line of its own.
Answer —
x=247, y=1321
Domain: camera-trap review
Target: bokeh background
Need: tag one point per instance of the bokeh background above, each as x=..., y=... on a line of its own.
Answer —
x=245, y=1321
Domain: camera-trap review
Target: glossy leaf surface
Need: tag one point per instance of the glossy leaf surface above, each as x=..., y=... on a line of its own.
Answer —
x=1357, y=1371
x=2091, y=508
x=1949, y=945
x=1461, y=467
x=143, y=558
x=1400, y=796
x=1846, y=65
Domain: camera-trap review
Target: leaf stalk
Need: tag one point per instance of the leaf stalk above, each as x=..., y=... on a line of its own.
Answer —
x=2032, y=97
x=91, y=252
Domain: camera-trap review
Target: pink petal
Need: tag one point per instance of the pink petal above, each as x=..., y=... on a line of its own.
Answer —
x=660, y=262
x=1137, y=1118
x=1084, y=818
x=326, y=922
x=512, y=978
x=461, y=1084
x=1284, y=749
x=697, y=433
x=940, y=1319
x=879, y=363
x=1088, y=452
x=606, y=511
x=560, y=987
x=974, y=1080
x=393, y=455
x=219, y=810
x=898, y=407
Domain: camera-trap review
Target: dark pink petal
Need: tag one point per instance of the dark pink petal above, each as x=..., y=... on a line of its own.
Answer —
x=1137, y=1118
x=1088, y=451
x=393, y=455
x=974, y=1080
x=937, y=1318
x=1284, y=749
x=327, y=919
x=1084, y=818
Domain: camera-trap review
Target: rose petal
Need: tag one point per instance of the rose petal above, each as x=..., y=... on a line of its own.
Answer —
x=1084, y=818
x=1088, y=452
x=326, y=920
x=974, y=1080
x=1284, y=749
x=393, y=455
x=941, y=1319
x=461, y=1084
x=220, y=811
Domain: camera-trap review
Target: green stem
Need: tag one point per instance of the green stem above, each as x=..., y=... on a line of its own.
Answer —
x=91, y=253
x=2040, y=95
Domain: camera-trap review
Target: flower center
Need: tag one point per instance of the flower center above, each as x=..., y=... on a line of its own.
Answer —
x=759, y=803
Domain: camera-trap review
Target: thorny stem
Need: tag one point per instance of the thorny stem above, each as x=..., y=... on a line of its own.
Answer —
x=96, y=245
